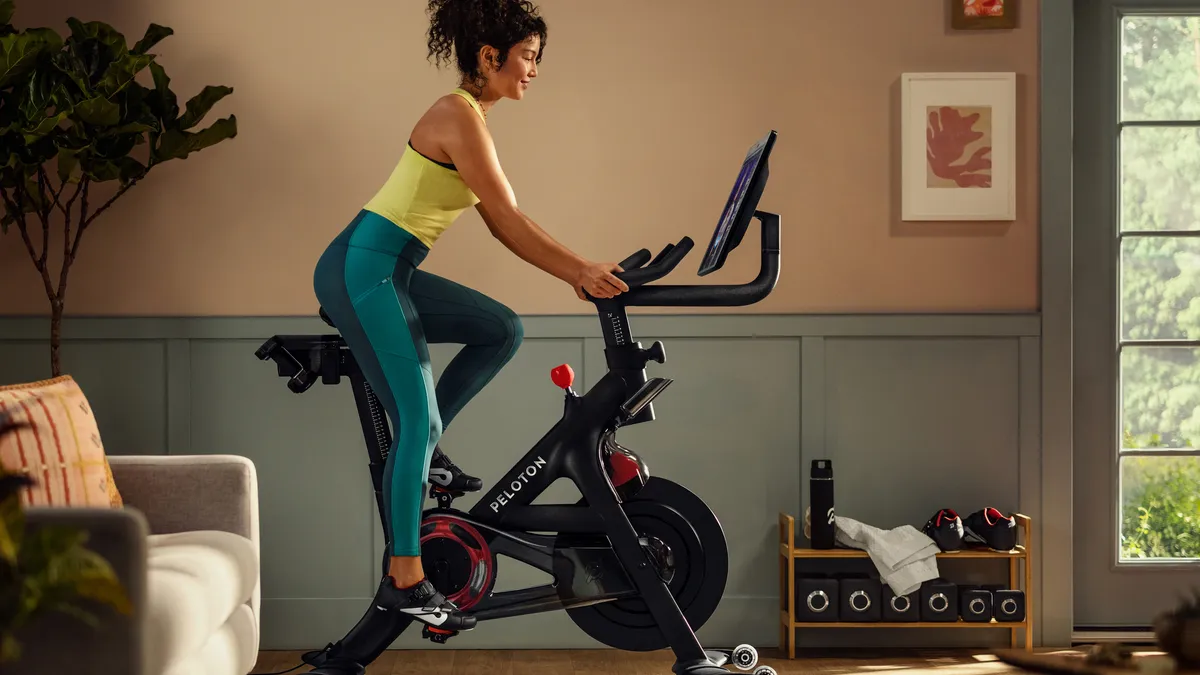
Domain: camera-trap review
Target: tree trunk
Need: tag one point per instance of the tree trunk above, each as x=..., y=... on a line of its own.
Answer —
x=56, y=316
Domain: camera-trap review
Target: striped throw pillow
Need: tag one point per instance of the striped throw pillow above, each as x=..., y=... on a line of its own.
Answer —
x=59, y=445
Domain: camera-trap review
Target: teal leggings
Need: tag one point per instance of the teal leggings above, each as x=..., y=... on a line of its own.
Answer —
x=386, y=309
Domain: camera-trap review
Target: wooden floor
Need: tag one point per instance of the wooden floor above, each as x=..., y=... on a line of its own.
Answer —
x=611, y=662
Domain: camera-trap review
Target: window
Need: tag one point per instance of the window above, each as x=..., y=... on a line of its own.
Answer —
x=1158, y=271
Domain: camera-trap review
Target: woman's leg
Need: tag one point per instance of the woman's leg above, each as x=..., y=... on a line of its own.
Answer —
x=363, y=288
x=490, y=334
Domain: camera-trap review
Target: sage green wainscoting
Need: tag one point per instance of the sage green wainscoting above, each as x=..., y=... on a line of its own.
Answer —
x=916, y=412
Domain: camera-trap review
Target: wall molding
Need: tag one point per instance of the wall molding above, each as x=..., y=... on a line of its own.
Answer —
x=182, y=385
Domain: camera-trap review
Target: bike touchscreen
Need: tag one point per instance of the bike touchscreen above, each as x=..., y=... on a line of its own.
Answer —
x=741, y=205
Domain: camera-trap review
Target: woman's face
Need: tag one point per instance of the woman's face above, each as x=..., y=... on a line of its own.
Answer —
x=518, y=70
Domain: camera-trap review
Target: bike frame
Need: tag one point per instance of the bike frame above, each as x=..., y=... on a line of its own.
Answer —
x=573, y=448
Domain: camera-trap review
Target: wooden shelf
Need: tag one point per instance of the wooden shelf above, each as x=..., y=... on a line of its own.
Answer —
x=903, y=624
x=1018, y=552
x=789, y=553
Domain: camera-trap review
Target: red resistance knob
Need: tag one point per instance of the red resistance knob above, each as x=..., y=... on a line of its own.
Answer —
x=562, y=376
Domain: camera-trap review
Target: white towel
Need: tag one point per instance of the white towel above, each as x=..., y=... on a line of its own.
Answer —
x=904, y=556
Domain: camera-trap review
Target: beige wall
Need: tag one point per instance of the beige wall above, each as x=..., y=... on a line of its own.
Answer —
x=631, y=137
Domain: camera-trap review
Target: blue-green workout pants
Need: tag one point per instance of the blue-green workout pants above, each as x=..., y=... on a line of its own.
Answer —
x=387, y=309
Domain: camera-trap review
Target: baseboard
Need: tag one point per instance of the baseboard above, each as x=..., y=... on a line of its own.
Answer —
x=1127, y=636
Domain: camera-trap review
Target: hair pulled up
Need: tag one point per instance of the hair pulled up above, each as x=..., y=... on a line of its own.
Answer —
x=458, y=29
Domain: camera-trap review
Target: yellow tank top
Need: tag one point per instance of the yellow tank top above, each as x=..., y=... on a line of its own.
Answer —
x=424, y=196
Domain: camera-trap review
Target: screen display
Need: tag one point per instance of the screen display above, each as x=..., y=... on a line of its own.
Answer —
x=733, y=205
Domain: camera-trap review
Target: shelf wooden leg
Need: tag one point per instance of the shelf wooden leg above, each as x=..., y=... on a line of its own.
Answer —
x=787, y=577
x=1012, y=583
x=783, y=589
x=1029, y=546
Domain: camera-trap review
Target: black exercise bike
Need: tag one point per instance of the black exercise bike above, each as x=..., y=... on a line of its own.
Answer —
x=639, y=562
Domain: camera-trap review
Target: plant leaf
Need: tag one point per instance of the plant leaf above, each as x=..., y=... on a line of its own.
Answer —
x=99, y=170
x=45, y=127
x=94, y=47
x=162, y=100
x=8, y=547
x=154, y=34
x=7, y=9
x=19, y=52
x=73, y=67
x=130, y=169
x=77, y=612
x=11, y=484
x=176, y=144
x=200, y=104
x=98, y=111
x=68, y=161
x=10, y=649
x=134, y=128
x=86, y=31
x=41, y=94
x=94, y=578
x=121, y=72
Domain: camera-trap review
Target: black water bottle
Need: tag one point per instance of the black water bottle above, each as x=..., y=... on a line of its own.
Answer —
x=820, y=497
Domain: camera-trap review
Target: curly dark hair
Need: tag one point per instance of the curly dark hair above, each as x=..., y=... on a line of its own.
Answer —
x=460, y=28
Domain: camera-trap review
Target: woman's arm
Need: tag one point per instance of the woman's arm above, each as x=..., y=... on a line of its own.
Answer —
x=473, y=153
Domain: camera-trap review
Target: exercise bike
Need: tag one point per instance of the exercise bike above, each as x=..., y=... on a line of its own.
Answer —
x=639, y=562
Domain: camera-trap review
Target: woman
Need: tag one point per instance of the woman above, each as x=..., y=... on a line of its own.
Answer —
x=369, y=281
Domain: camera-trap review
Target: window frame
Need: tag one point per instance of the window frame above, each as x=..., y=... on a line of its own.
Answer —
x=1112, y=71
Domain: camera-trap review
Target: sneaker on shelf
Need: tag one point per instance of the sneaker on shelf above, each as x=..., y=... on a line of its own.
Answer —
x=991, y=528
x=945, y=528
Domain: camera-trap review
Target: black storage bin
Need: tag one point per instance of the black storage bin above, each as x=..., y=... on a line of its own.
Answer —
x=900, y=608
x=860, y=598
x=974, y=603
x=939, y=601
x=1009, y=605
x=816, y=598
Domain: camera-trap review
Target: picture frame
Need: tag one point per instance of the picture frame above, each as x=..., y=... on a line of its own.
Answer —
x=958, y=146
x=983, y=14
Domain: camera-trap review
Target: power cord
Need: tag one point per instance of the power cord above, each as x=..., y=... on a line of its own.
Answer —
x=305, y=660
x=282, y=672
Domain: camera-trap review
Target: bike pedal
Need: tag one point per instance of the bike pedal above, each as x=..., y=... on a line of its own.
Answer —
x=437, y=635
x=443, y=496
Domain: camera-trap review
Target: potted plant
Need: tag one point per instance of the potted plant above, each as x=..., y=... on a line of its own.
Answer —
x=44, y=569
x=74, y=121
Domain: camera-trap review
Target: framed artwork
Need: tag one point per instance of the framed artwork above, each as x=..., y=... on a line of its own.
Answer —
x=983, y=14
x=958, y=146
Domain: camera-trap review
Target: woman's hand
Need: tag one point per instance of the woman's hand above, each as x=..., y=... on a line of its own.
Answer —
x=598, y=280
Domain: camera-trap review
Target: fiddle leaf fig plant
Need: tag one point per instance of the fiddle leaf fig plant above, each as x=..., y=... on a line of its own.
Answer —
x=78, y=131
x=45, y=569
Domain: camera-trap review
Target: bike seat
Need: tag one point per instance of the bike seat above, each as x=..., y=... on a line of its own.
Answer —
x=325, y=317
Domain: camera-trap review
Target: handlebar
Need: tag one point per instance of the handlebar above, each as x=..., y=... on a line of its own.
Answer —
x=636, y=260
x=661, y=266
x=706, y=295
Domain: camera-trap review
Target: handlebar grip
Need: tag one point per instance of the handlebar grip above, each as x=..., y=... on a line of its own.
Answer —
x=662, y=254
x=636, y=260
x=671, y=257
x=676, y=255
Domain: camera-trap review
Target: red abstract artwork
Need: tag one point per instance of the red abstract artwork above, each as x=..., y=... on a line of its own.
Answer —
x=951, y=133
x=983, y=8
